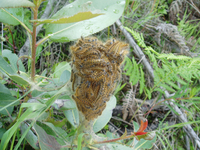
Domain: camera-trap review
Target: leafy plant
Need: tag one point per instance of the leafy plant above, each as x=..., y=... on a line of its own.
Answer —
x=39, y=92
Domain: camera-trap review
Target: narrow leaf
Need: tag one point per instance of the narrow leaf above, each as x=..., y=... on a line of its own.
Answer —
x=75, y=18
x=142, y=84
x=125, y=134
x=80, y=137
x=167, y=87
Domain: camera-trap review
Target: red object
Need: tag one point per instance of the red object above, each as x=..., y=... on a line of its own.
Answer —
x=143, y=126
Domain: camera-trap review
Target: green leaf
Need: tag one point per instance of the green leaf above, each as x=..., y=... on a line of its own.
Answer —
x=30, y=137
x=23, y=136
x=5, y=99
x=106, y=115
x=112, y=10
x=145, y=144
x=2, y=131
x=142, y=84
x=15, y=3
x=22, y=80
x=179, y=105
x=135, y=75
x=173, y=85
x=80, y=138
x=69, y=19
x=172, y=109
x=159, y=90
x=115, y=146
x=58, y=131
x=180, y=80
x=72, y=116
x=128, y=63
x=167, y=87
x=7, y=18
x=47, y=142
x=65, y=76
x=34, y=111
x=13, y=60
x=61, y=68
x=119, y=88
x=5, y=67
x=28, y=114
x=64, y=104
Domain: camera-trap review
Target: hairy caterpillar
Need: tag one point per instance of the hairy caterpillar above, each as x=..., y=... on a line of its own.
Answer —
x=98, y=66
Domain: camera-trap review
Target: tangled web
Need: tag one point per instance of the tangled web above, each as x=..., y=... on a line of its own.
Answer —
x=97, y=66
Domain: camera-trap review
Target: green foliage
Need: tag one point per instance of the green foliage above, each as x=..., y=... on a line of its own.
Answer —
x=181, y=69
x=110, y=10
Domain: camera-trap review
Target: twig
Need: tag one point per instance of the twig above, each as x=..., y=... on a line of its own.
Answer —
x=187, y=142
x=9, y=115
x=137, y=50
x=117, y=129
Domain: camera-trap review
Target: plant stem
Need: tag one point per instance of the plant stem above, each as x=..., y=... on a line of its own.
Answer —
x=33, y=53
x=114, y=140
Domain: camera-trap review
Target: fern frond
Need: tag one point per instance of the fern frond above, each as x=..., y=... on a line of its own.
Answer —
x=173, y=57
x=172, y=69
x=173, y=34
x=175, y=6
x=132, y=70
x=127, y=103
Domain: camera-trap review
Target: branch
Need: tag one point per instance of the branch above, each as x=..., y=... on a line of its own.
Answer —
x=137, y=50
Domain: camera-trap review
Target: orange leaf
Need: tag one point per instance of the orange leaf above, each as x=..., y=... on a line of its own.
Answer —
x=143, y=126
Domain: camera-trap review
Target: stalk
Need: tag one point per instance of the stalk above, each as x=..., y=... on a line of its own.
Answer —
x=33, y=53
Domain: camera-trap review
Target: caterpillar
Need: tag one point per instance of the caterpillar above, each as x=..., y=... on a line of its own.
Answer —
x=98, y=66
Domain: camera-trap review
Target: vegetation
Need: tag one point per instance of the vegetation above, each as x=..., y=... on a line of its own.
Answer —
x=158, y=96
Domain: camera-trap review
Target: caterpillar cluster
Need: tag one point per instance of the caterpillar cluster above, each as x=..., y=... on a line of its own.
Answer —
x=97, y=66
